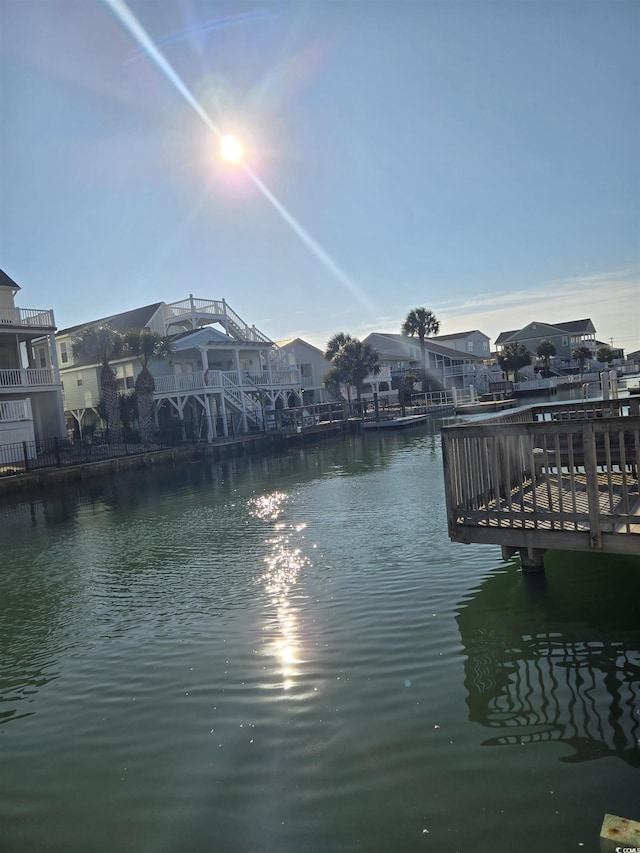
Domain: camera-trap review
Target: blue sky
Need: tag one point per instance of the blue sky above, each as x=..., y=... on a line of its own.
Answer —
x=480, y=159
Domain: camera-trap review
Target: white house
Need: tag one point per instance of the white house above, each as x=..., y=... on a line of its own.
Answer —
x=312, y=365
x=474, y=342
x=30, y=391
x=223, y=373
x=446, y=367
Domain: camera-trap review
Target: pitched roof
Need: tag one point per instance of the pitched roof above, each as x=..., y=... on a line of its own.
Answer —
x=504, y=336
x=458, y=335
x=430, y=343
x=289, y=341
x=137, y=318
x=7, y=281
x=572, y=327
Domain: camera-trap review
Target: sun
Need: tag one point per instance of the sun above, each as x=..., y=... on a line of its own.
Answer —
x=230, y=149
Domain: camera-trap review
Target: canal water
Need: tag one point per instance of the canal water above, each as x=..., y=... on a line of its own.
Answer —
x=287, y=654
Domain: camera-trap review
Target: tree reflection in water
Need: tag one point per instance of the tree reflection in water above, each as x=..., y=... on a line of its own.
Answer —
x=558, y=659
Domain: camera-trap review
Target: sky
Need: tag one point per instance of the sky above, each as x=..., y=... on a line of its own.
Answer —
x=480, y=159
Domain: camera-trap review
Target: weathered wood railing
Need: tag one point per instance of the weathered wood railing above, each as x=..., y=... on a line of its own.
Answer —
x=530, y=482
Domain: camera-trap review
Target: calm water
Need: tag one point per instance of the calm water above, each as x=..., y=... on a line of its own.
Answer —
x=289, y=655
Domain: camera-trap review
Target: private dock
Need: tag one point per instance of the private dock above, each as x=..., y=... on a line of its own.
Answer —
x=555, y=476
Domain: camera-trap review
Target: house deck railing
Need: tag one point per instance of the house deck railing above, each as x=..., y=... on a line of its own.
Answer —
x=212, y=381
x=31, y=317
x=214, y=309
x=26, y=377
x=15, y=410
x=563, y=477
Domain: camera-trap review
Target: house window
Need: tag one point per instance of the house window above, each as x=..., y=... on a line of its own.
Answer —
x=485, y=346
x=64, y=355
x=469, y=346
x=42, y=358
x=565, y=341
x=79, y=381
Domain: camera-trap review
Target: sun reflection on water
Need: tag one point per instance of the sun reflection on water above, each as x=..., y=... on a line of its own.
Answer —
x=283, y=564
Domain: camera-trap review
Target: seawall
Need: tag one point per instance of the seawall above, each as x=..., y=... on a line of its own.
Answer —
x=222, y=449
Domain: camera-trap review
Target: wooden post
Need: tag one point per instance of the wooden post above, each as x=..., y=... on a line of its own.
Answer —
x=591, y=471
x=532, y=559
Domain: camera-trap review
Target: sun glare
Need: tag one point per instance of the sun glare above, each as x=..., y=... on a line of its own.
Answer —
x=230, y=149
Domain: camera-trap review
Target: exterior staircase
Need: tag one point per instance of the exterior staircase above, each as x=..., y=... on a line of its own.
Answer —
x=191, y=313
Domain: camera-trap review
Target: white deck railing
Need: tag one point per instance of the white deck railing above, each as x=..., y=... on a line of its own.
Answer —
x=15, y=410
x=216, y=309
x=32, y=317
x=570, y=482
x=218, y=380
x=26, y=377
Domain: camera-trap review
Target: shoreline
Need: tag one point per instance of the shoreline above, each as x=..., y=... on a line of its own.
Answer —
x=20, y=484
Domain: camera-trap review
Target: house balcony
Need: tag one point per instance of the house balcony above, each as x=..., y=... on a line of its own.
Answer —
x=12, y=411
x=192, y=313
x=23, y=379
x=26, y=318
x=466, y=369
x=218, y=381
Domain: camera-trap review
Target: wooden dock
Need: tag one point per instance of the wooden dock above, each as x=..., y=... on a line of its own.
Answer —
x=396, y=423
x=560, y=476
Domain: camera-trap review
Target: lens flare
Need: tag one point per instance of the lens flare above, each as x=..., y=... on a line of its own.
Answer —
x=131, y=23
x=230, y=149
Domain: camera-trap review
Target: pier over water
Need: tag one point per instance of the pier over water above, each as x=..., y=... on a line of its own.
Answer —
x=555, y=476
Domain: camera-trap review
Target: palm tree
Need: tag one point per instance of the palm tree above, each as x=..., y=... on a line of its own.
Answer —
x=513, y=357
x=100, y=345
x=423, y=323
x=335, y=344
x=333, y=380
x=581, y=354
x=147, y=346
x=545, y=350
x=351, y=362
x=604, y=354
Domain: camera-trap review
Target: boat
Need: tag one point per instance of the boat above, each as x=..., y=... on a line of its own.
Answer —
x=484, y=406
x=396, y=423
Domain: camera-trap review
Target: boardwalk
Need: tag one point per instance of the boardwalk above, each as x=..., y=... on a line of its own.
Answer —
x=559, y=476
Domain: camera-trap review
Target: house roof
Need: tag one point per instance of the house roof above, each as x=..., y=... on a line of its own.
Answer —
x=137, y=318
x=572, y=327
x=456, y=335
x=289, y=341
x=7, y=281
x=200, y=336
x=430, y=343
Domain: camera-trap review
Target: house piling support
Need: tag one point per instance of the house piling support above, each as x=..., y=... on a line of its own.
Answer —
x=531, y=559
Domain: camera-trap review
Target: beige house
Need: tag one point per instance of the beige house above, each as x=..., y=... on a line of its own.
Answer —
x=30, y=390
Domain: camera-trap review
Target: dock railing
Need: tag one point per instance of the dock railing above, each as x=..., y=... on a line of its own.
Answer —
x=562, y=477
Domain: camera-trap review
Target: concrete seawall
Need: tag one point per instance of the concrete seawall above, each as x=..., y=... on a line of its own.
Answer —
x=224, y=449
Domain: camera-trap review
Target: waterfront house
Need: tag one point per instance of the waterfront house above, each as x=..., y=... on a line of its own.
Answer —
x=223, y=374
x=30, y=390
x=564, y=336
x=447, y=366
x=312, y=365
x=473, y=342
